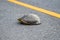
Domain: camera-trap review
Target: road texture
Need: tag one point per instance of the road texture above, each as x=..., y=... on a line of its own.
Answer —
x=10, y=29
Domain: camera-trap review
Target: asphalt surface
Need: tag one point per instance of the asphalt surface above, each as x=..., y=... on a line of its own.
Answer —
x=10, y=29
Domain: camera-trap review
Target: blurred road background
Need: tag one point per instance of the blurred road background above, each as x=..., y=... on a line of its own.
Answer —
x=10, y=29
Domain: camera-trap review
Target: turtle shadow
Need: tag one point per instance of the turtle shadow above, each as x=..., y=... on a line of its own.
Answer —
x=27, y=24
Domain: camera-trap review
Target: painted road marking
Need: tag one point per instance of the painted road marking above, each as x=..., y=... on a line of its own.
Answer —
x=36, y=8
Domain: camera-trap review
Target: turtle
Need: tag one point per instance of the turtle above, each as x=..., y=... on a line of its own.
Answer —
x=30, y=19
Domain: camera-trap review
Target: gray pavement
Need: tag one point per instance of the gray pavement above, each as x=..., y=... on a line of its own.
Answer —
x=10, y=29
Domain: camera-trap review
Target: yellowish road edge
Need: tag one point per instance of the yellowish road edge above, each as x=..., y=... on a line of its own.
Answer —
x=57, y=15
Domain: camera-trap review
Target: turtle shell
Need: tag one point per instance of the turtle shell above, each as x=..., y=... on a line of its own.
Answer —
x=29, y=19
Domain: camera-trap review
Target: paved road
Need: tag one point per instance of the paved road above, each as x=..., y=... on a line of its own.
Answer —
x=10, y=29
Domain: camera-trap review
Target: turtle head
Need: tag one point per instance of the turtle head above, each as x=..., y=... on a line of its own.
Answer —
x=19, y=19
